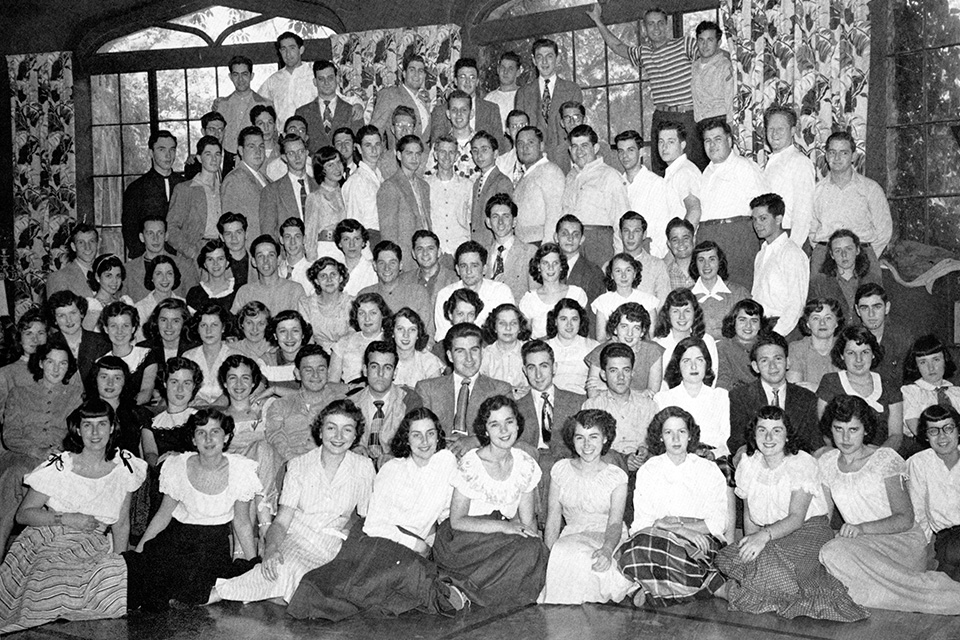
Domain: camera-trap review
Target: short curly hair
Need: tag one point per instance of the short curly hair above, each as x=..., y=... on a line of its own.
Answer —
x=679, y=298
x=36, y=315
x=202, y=418
x=59, y=300
x=101, y=264
x=859, y=335
x=313, y=272
x=573, y=305
x=179, y=363
x=150, y=328
x=629, y=259
x=400, y=444
x=819, y=304
x=861, y=267
x=288, y=314
x=349, y=225
x=632, y=311
x=491, y=404
x=845, y=408
x=211, y=309
x=414, y=318
x=769, y=412
x=232, y=362
x=490, y=324
x=654, y=440
x=342, y=407
x=590, y=419
x=466, y=296
x=363, y=298
x=542, y=252
x=117, y=309
x=54, y=343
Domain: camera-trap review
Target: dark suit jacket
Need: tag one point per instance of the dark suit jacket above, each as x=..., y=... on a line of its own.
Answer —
x=896, y=344
x=192, y=167
x=493, y=184
x=565, y=405
x=398, y=212
x=388, y=99
x=516, y=267
x=145, y=196
x=488, y=119
x=528, y=101
x=439, y=395
x=588, y=277
x=240, y=193
x=801, y=407
x=278, y=201
x=92, y=346
x=342, y=117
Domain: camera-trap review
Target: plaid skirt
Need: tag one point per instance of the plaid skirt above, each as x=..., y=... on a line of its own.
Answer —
x=670, y=569
x=788, y=579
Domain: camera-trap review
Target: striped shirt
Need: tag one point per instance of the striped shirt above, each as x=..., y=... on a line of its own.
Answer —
x=668, y=69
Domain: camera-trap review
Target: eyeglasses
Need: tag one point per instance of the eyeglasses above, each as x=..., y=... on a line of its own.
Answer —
x=947, y=430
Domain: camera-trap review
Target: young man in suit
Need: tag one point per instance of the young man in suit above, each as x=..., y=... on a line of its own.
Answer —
x=149, y=195
x=582, y=272
x=541, y=100
x=403, y=200
x=509, y=258
x=457, y=396
x=402, y=124
x=232, y=228
x=410, y=94
x=277, y=168
x=485, y=115
x=213, y=124
x=328, y=112
x=483, y=148
x=286, y=197
x=72, y=276
x=769, y=359
x=240, y=191
x=545, y=409
x=235, y=108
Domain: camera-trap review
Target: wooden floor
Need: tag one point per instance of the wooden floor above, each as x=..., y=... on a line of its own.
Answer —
x=707, y=620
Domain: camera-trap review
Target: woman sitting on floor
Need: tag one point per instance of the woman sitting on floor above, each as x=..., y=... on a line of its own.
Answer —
x=186, y=546
x=589, y=495
x=679, y=515
x=63, y=565
x=383, y=566
x=933, y=485
x=880, y=551
x=490, y=547
x=775, y=567
x=322, y=490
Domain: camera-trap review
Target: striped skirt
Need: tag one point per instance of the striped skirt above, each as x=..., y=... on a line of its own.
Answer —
x=55, y=572
x=670, y=569
x=788, y=579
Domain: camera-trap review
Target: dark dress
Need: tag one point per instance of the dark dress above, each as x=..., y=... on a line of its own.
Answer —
x=197, y=297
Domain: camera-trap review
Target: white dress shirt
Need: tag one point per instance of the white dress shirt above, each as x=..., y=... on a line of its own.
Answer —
x=491, y=292
x=360, y=195
x=538, y=196
x=781, y=277
x=289, y=90
x=451, y=202
x=791, y=174
x=654, y=198
x=729, y=186
x=685, y=178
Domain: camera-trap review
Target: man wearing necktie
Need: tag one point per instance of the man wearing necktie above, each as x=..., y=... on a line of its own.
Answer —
x=509, y=259
x=286, y=198
x=328, y=112
x=149, y=195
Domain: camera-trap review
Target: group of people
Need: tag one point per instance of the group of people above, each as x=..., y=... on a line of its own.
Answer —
x=417, y=358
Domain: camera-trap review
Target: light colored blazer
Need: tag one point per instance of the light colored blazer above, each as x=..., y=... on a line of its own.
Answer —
x=494, y=183
x=187, y=218
x=240, y=193
x=398, y=212
x=516, y=267
x=278, y=201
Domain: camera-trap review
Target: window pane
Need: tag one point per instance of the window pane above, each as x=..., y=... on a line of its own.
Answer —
x=107, y=197
x=153, y=38
x=943, y=170
x=213, y=20
x=136, y=155
x=944, y=216
x=908, y=88
x=909, y=159
x=194, y=132
x=171, y=94
x=912, y=216
x=106, y=150
x=134, y=97
x=268, y=31
x=943, y=83
x=201, y=90
x=595, y=101
x=625, y=108
x=179, y=129
x=105, y=99
x=620, y=70
x=942, y=20
x=590, y=63
x=526, y=7
x=908, y=18
x=260, y=73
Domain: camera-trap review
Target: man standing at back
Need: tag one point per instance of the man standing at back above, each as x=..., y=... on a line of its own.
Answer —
x=235, y=108
x=505, y=95
x=781, y=269
x=485, y=115
x=240, y=191
x=540, y=190
x=409, y=94
x=403, y=200
x=541, y=100
x=149, y=195
x=360, y=189
x=328, y=112
x=287, y=197
x=292, y=86
x=490, y=182
x=789, y=172
x=72, y=276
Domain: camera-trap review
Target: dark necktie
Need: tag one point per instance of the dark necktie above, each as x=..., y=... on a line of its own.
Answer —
x=776, y=397
x=327, y=117
x=303, y=198
x=479, y=185
x=498, y=264
x=463, y=401
x=546, y=418
x=545, y=101
x=376, y=425
x=942, y=398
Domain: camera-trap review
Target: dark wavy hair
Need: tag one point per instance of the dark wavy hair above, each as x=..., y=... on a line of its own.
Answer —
x=101, y=264
x=629, y=259
x=672, y=374
x=542, y=252
x=934, y=413
x=467, y=296
x=703, y=247
x=413, y=317
x=202, y=418
x=91, y=408
x=490, y=405
x=769, y=412
x=56, y=301
x=177, y=363
x=283, y=316
x=679, y=298
x=750, y=307
x=152, y=267
x=567, y=303
x=342, y=407
x=654, y=440
x=150, y=330
x=313, y=271
x=376, y=299
x=926, y=346
x=37, y=315
x=860, y=268
x=632, y=311
x=35, y=363
x=234, y=361
x=490, y=324
x=209, y=247
x=322, y=157
x=349, y=225
x=845, y=408
x=859, y=335
x=400, y=444
x=117, y=309
x=819, y=304
x=590, y=419
x=211, y=309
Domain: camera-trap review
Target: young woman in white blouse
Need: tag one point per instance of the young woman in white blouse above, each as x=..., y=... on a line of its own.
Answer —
x=680, y=317
x=549, y=269
x=927, y=370
x=211, y=324
x=568, y=333
x=505, y=331
x=623, y=275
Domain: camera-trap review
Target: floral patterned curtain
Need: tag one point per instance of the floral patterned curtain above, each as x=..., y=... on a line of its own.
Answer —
x=811, y=54
x=45, y=194
x=370, y=60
